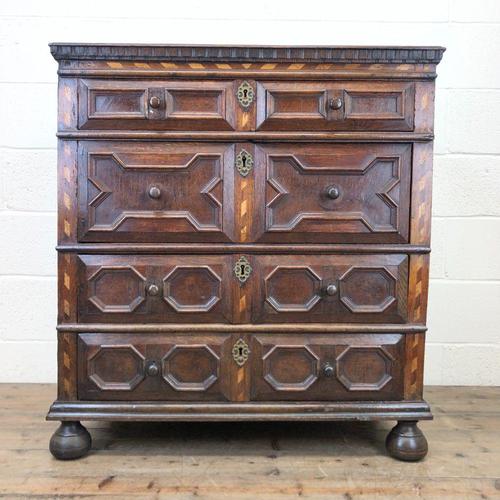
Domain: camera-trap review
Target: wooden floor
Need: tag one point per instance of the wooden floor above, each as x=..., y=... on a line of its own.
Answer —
x=253, y=460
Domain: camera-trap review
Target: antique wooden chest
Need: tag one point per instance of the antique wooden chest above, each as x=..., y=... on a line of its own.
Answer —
x=243, y=235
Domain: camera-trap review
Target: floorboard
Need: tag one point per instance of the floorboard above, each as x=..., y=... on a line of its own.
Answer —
x=253, y=460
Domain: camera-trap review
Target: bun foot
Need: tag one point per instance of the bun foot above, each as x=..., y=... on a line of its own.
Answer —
x=406, y=442
x=71, y=440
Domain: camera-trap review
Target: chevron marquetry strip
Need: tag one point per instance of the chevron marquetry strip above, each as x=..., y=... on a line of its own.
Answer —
x=68, y=181
x=224, y=66
x=244, y=209
x=414, y=362
x=243, y=301
x=67, y=228
x=240, y=386
x=66, y=289
x=67, y=372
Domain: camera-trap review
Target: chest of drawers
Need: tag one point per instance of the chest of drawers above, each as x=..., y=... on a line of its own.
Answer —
x=243, y=235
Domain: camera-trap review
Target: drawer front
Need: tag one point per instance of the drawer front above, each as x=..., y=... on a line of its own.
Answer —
x=345, y=193
x=320, y=367
x=185, y=192
x=388, y=106
x=330, y=289
x=153, y=367
x=156, y=105
x=154, y=289
x=151, y=192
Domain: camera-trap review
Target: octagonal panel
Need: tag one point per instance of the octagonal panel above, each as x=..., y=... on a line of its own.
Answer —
x=292, y=289
x=191, y=367
x=364, y=368
x=117, y=289
x=290, y=367
x=192, y=288
x=116, y=368
x=367, y=289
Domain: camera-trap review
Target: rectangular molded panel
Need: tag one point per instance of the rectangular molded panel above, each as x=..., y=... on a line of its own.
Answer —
x=186, y=289
x=373, y=106
x=156, y=105
x=152, y=367
x=332, y=193
x=326, y=367
x=330, y=289
x=192, y=197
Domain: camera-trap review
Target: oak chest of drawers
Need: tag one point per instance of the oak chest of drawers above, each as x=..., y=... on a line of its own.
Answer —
x=243, y=235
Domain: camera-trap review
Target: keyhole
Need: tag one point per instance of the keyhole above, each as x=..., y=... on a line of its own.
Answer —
x=240, y=351
x=242, y=268
x=244, y=161
x=245, y=93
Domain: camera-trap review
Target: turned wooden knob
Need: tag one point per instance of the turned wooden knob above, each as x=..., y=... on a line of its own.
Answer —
x=152, y=369
x=154, y=192
x=332, y=192
x=331, y=289
x=155, y=102
x=328, y=370
x=335, y=103
x=153, y=289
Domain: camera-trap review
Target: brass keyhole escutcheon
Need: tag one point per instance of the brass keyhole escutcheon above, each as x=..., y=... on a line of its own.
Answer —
x=245, y=95
x=244, y=162
x=242, y=269
x=240, y=352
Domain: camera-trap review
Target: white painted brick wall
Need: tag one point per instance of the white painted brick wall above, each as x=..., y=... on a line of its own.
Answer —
x=464, y=314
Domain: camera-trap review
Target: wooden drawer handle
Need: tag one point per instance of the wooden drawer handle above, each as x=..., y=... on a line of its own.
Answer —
x=328, y=370
x=155, y=102
x=332, y=192
x=335, y=103
x=331, y=289
x=152, y=369
x=154, y=192
x=153, y=290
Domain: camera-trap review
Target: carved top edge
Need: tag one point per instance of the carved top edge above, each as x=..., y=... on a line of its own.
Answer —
x=255, y=53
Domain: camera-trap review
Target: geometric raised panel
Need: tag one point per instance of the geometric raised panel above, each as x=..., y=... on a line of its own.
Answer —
x=191, y=367
x=116, y=367
x=364, y=368
x=117, y=289
x=369, y=192
x=367, y=289
x=290, y=367
x=116, y=204
x=292, y=289
x=192, y=288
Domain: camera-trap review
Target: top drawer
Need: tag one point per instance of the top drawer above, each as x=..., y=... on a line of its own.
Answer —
x=156, y=105
x=335, y=106
x=235, y=105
